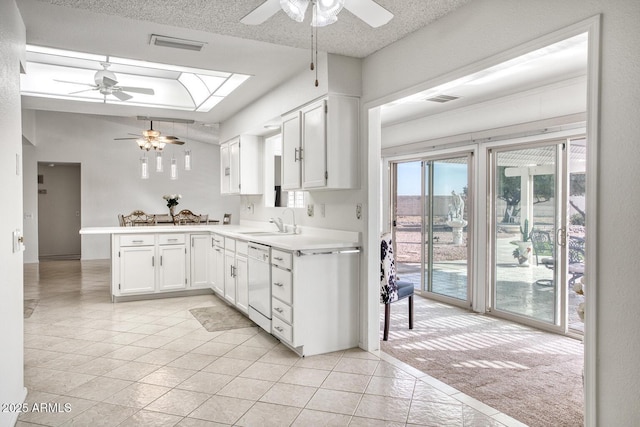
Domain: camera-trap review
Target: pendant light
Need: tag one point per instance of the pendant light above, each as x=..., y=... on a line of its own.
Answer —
x=144, y=167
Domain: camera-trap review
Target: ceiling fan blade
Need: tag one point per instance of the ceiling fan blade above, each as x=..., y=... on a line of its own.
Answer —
x=123, y=139
x=174, y=142
x=169, y=137
x=83, y=90
x=108, y=82
x=73, y=83
x=143, y=90
x=261, y=13
x=121, y=95
x=369, y=11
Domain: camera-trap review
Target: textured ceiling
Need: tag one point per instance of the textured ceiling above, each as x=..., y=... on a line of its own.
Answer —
x=349, y=36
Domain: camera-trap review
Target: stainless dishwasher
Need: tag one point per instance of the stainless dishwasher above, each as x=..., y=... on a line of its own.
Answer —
x=259, y=272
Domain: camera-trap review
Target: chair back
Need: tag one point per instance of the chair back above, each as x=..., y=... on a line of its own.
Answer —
x=185, y=217
x=542, y=244
x=138, y=218
x=388, y=286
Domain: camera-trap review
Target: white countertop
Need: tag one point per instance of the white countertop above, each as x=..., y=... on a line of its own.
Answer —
x=308, y=239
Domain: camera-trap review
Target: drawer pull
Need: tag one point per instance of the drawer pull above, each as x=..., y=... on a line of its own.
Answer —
x=278, y=284
x=137, y=241
x=278, y=258
x=278, y=309
x=173, y=240
x=278, y=328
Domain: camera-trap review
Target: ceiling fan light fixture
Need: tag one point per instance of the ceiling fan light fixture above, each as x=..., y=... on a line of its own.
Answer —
x=296, y=9
x=329, y=7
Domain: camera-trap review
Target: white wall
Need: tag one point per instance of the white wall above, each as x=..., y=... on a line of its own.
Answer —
x=110, y=181
x=484, y=29
x=12, y=42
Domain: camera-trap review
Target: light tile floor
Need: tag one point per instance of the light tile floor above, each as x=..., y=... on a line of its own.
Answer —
x=150, y=363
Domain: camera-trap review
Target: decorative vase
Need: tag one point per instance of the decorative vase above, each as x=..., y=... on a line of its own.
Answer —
x=524, y=248
x=172, y=211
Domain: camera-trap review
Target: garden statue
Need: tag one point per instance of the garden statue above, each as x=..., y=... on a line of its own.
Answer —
x=456, y=221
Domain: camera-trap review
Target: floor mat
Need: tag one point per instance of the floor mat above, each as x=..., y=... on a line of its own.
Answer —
x=221, y=318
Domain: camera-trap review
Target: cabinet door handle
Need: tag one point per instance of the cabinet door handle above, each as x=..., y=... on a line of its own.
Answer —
x=153, y=261
x=278, y=328
x=295, y=154
x=160, y=260
x=278, y=284
x=300, y=154
x=278, y=309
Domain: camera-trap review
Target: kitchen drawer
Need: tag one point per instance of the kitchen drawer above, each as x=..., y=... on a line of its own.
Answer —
x=282, y=329
x=230, y=244
x=281, y=285
x=217, y=240
x=282, y=310
x=281, y=259
x=171, y=239
x=137, y=240
x=242, y=247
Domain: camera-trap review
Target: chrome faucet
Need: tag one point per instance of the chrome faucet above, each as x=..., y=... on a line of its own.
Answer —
x=293, y=217
x=279, y=224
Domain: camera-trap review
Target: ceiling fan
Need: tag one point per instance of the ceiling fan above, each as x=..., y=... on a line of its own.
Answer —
x=151, y=138
x=106, y=84
x=325, y=11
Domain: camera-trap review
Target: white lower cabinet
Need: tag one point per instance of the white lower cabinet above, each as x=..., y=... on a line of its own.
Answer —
x=217, y=264
x=236, y=280
x=148, y=263
x=137, y=270
x=199, y=251
x=172, y=271
x=242, y=282
x=315, y=300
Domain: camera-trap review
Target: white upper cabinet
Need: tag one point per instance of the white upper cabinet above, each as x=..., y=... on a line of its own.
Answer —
x=241, y=165
x=320, y=145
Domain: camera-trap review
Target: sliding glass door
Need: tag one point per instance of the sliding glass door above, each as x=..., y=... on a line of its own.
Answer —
x=529, y=200
x=431, y=207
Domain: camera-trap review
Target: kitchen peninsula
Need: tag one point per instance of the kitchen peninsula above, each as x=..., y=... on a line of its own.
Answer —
x=303, y=289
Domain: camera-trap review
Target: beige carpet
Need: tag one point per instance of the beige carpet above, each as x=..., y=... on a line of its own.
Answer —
x=532, y=376
x=221, y=317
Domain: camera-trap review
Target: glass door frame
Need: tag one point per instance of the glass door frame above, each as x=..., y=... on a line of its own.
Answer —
x=560, y=324
x=470, y=153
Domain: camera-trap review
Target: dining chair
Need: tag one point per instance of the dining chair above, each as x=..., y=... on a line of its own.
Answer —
x=138, y=218
x=392, y=289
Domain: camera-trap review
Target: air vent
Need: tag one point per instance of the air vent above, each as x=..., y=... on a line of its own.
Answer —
x=175, y=43
x=442, y=98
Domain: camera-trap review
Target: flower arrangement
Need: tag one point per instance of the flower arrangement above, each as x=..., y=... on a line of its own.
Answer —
x=579, y=288
x=172, y=199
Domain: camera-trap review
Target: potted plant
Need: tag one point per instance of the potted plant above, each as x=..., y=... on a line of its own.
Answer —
x=523, y=252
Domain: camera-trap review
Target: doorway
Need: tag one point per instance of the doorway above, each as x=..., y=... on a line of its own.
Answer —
x=59, y=207
x=431, y=225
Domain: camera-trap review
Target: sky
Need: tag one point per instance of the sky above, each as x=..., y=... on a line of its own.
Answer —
x=447, y=177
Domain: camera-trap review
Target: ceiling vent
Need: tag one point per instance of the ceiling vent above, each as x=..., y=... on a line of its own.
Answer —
x=175, y=43
x=442, y=98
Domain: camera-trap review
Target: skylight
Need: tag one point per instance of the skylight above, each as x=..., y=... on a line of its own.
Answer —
x=64, y=74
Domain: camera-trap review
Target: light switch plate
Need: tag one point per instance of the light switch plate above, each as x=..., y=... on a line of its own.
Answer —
x=309, y=210
x=359, y=211
x=18, y=241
